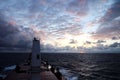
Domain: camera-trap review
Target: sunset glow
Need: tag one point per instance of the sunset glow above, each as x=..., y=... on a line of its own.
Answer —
x=78, y=24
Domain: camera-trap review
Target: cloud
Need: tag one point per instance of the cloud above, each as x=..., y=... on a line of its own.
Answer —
x=109, y=23
x=52, y=20
x=115, y=38
x=78, y=7
x=112, y=12
x=107, y=31
x=98, y=43
x=87, y=42
x=101, y=41
x=53, y=49
x=72, y=41
x=116, y=44
x=34, y=6
x=13, y=35
x=71, y=29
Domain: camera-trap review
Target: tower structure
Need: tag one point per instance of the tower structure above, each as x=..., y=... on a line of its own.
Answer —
x=35, y=60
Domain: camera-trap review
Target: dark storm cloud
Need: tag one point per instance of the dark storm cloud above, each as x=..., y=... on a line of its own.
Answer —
x=116, y=44
x=109, y=26
x=88, y=42
x=13, y=35
x=72, y=41
x=115, y=38
x=112, y=13
x=6, y=28
x=101, y=41
x=107, y=31
x=98, y=42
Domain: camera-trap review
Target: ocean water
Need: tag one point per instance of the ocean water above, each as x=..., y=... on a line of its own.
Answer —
x=86, y=66
x=75, y=66
x=9, y=59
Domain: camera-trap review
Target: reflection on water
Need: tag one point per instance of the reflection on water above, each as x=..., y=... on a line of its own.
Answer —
x=87, y=66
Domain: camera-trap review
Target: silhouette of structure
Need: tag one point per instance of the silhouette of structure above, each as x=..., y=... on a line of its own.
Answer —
x=35, y=57
x=35, y=60
x=35, y=70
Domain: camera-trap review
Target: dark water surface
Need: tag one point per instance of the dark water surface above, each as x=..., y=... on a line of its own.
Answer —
x=76, y=66
x=87, y=66
x=8, y=59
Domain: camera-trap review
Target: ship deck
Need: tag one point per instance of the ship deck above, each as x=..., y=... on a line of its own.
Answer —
x=44, y=74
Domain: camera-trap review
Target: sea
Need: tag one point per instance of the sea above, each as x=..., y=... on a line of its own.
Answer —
x=74, y=66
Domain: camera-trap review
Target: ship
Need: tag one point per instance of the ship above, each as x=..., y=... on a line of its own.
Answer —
x=33, y=69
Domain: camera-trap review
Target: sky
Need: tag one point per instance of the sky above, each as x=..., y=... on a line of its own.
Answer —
x=82, y=26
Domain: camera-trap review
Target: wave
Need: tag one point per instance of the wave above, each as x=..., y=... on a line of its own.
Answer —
x=68, y=74
x=10, y=68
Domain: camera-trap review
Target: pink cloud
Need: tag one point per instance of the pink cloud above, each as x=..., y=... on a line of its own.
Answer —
x=12, y=22
x=39, y=33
